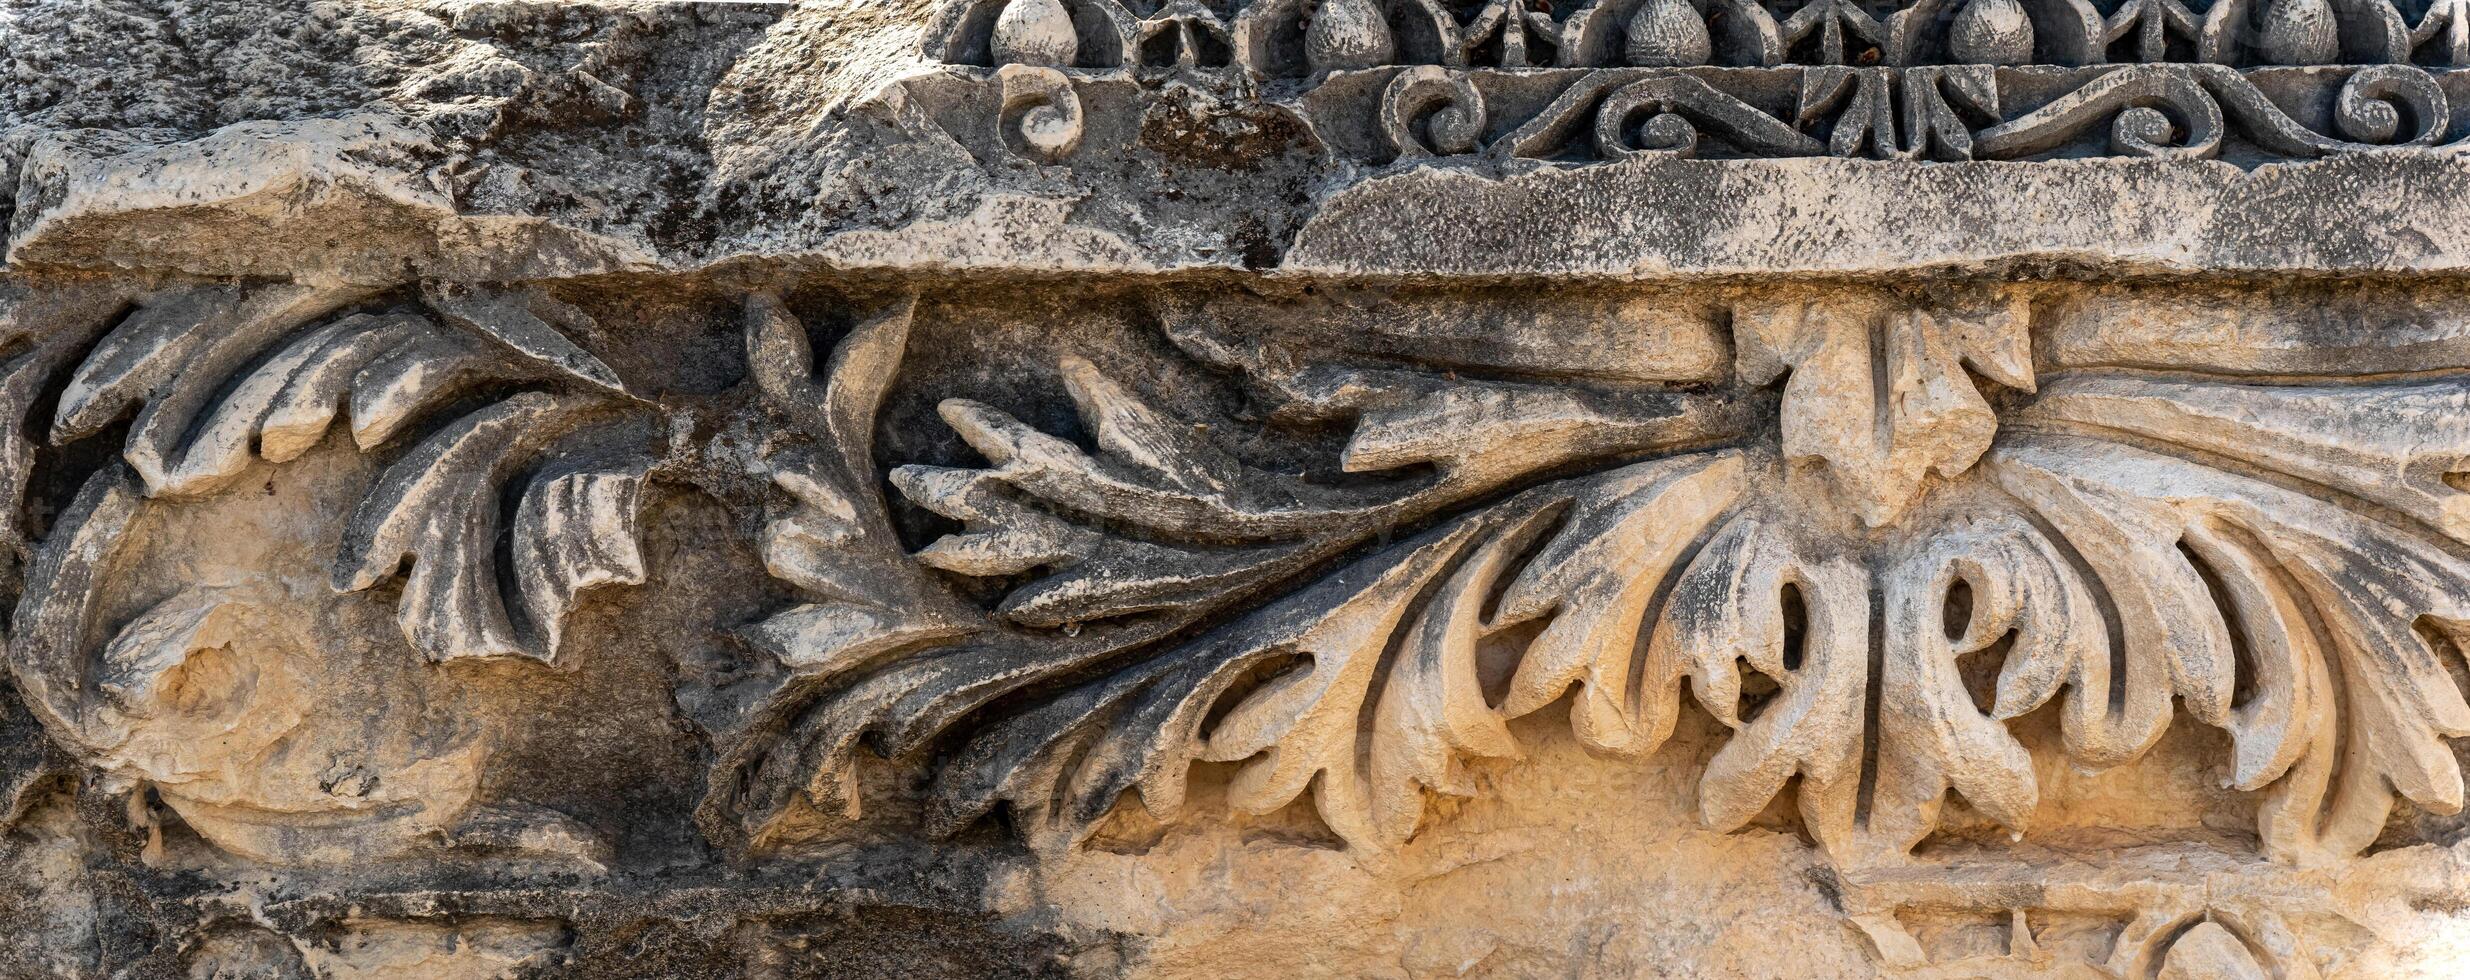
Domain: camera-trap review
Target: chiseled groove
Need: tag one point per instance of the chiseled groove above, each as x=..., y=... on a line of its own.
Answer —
x=1873, y=698
x=2330, y=649
x=1654, y=614
x=2112, y=622
x=2261, y=377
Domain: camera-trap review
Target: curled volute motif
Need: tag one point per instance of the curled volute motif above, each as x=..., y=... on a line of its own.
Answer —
x=1041, y=116
x=2391, y=105
x=1927, y=87
x=2150, y=113
x=1644, y=117
x=1621, y=117
x=2172, y=113
x=1429, y=111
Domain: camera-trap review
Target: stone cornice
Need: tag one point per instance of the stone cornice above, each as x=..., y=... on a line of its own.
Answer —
x=889, y=166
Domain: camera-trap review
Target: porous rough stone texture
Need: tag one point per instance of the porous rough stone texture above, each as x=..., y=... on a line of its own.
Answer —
x=1234, y=488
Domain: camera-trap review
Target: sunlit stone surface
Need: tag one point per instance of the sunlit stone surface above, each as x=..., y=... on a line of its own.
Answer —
x=1234, y=489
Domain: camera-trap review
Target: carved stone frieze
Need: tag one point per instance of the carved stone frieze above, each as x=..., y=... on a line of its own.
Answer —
x=1233, y=488
x=1288, y=38
x=1875, y=505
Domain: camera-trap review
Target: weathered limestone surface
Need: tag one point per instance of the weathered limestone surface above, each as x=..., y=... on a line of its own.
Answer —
x=1235, y=488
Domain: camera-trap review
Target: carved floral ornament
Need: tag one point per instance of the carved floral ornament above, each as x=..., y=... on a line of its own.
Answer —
x=212, y=696
x=1868, y=535
x=1980, y=80
x=1925, y=508
x=1286, y=38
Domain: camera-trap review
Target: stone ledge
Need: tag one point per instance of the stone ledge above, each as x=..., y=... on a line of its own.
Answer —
x=877, y=163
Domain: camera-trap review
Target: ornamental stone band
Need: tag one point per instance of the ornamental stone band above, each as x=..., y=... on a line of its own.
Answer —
x=1922, y=489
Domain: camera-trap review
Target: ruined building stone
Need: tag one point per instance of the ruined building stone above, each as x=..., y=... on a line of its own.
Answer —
x=1256, y=489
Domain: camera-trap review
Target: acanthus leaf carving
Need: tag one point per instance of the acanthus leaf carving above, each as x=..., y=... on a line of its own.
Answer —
x=1884, y=405
x=2338, y=607
x=219, y=700
x=1597, y=581
x=165, y=361
x=438, y=507
x=542, y=475
x=301, y=360
x=1826, y=623
x=838, y=511
x=1870, y=537
x=1880, y=566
